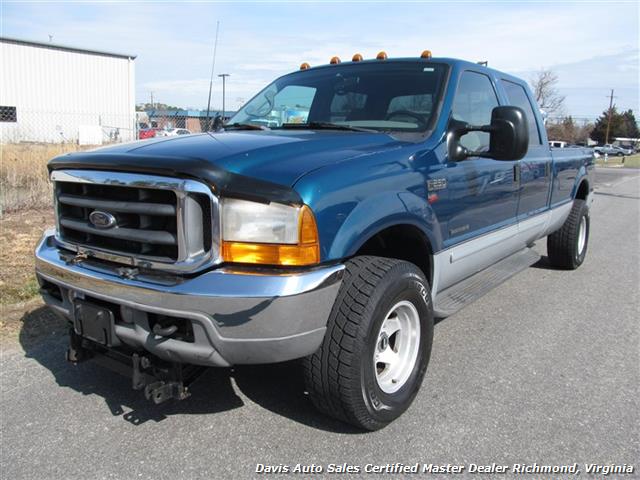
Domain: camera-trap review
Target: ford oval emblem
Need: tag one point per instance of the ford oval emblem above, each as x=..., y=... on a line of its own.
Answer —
x=102, y=219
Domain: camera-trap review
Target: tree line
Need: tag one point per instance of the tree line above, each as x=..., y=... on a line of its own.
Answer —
x=550, y=101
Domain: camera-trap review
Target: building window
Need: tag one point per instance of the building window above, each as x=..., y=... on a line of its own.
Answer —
x=8, y=114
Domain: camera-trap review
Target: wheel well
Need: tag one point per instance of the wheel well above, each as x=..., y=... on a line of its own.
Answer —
x=583, y=190
x=403, y=242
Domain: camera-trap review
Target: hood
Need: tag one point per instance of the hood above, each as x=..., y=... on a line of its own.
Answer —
x=279, y=157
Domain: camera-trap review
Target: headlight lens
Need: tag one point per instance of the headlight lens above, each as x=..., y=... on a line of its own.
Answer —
x=244, y=221
x=273, y=234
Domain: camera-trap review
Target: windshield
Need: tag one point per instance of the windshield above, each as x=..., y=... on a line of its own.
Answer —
x=386, y=96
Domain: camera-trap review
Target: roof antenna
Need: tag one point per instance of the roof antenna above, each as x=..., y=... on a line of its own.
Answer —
x=484, y=63
x=213, y=64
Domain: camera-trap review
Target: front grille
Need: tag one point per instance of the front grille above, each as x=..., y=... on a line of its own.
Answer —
x=158, y=222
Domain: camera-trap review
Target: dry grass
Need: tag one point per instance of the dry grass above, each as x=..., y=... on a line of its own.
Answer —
x=24, y=181
x=19, y=233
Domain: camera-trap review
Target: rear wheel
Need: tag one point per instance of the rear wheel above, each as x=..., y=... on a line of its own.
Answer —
x=567, y=247
x=377, y=346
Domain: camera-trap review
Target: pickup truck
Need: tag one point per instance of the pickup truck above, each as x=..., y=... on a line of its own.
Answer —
x=338, y=213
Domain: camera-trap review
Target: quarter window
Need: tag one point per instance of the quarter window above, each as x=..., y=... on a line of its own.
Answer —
x=517, y=97
x=474, y=101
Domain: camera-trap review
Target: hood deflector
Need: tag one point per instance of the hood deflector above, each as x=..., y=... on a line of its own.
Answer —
x=223, y=182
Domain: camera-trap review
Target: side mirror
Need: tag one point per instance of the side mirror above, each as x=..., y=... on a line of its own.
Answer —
x=509, y=136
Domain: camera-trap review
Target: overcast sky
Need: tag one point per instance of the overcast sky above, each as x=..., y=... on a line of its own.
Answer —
x=593, y=47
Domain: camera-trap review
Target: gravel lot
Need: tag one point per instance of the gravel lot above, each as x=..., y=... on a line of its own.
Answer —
x=543, y=369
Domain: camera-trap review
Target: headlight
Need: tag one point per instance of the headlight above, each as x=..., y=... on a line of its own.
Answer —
x=273, y=234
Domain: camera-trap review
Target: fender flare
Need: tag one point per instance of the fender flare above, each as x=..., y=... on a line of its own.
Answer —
x=379, y=212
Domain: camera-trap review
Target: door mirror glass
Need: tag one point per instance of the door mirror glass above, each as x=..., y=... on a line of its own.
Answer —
x=509, y=133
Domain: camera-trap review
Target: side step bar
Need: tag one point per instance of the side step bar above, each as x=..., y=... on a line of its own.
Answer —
x=456, y=297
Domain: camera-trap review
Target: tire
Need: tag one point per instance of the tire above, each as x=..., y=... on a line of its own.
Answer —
x=567, y=247
x=619, y=154
x=342, y=378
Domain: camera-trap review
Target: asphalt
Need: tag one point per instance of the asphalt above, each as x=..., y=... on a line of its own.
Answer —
x=544, y=369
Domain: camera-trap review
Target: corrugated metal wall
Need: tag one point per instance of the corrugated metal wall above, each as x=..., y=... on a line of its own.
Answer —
x=59, y=93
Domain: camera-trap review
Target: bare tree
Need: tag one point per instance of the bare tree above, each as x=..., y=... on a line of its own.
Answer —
x=544, y=88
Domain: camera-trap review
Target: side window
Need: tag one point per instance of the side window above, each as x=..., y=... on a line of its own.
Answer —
x=518, y=98
x=292, y=104
x=419, y=103
x=344, y=105
x=474, y=101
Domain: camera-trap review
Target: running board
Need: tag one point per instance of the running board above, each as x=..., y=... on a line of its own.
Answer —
x=456, y=297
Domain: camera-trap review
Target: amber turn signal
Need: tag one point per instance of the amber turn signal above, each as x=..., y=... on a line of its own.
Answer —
x=357, y=58
x=426, y=54
x=305, y=252
x=381, y=56
x=305, y=66
x=334, y=60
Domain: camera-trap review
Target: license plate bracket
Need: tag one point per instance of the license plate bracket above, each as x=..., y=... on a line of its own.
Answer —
x=94, y=322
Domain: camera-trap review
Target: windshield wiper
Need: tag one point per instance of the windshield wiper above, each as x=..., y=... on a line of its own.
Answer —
x=245, y=126
x=325, y=126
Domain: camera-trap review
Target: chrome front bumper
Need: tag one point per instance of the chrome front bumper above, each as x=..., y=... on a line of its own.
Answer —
x=237, y=317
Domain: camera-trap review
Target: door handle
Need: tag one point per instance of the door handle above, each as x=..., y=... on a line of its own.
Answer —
x=516, y=173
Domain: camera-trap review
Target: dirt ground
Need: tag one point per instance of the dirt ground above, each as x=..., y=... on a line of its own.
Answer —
x=19, y=301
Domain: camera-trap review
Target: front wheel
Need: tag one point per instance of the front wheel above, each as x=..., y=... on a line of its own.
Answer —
x=377, y=345
x=567, y=247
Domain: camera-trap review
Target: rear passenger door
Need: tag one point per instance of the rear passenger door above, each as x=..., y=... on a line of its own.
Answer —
x=535, y=168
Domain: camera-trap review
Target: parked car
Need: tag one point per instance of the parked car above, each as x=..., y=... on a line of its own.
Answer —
x=412, y=187
x=613, y=150
x=172, y=132
x=144, y=131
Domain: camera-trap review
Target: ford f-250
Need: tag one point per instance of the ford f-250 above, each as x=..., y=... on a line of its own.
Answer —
x=338, y=213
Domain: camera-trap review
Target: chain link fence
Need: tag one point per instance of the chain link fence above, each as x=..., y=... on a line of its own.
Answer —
x=30, y=138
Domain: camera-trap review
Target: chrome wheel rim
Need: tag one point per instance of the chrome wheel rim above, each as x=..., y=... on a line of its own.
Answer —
x=582, y=235
x=397, y=345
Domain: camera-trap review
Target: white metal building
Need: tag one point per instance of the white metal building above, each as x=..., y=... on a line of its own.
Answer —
x=57, y=93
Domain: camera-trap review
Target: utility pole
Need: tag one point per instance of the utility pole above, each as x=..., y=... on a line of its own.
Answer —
x=213, y=66
x=606, y=137
x=224, y=77
x=152, y=100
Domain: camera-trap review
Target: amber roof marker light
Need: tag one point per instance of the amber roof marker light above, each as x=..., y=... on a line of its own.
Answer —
x=304, y=66
x=426, y=54
x=334, y=60
x=381, y=56
x=357, y=58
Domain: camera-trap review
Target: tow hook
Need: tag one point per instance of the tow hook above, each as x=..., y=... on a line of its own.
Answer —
x=162, y=383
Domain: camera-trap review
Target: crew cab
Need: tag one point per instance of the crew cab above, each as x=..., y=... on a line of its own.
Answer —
x=338, y=213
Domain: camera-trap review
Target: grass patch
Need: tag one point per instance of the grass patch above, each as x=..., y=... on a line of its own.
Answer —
x=632, y=161
x=19, y=234
x=24, y=180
